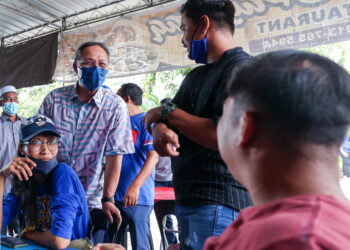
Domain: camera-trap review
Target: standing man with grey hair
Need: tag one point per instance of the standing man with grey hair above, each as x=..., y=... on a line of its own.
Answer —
x=10, y=127
x=95, y=125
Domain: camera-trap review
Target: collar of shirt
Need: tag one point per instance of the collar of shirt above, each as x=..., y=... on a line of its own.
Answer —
x=6, y=118
x=96, y=98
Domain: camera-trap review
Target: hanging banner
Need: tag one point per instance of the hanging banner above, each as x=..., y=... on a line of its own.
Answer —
x=151, y=40
x=28, y=64
x=278, y=24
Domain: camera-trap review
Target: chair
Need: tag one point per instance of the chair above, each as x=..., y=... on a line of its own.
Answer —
x=163, y=208
x=102, y=230
x=112, y=236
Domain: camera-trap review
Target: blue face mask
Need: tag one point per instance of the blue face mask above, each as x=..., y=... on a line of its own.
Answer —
x=10, y=108
x=198, y=50
x=44, y=167
x=93, y=77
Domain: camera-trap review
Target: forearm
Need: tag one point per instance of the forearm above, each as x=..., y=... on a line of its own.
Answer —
x=47, y=239
x=199, y=130
x=112, y=174
x=147, y=168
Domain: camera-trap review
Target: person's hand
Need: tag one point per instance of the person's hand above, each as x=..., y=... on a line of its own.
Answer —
x=108, y=246
x=152, y=116
x=21, y=167
x=131, y=196
x=165, y=140
x=111, y=211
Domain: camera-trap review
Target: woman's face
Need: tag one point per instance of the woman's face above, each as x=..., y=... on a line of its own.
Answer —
x=43, y=147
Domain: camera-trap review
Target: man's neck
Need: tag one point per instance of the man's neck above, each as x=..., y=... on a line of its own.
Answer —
x=11, y=118
x=218, y=45
x=85, y=94
x=134, y=109
x=276, y=178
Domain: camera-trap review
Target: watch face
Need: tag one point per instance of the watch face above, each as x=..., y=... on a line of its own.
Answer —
x=170, y=106
x=167, y=108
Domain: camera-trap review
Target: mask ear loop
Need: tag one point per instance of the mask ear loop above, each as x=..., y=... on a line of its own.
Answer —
x=195, y=32
x=24, y=150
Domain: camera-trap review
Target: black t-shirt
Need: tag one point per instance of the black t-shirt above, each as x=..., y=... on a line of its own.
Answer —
x=200, y=176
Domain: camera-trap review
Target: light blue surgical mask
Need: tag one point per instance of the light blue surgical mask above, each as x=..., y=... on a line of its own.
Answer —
x=10, y=108
x=93, y=77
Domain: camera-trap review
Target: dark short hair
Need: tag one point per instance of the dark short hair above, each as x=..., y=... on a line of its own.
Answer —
x=303, y=95
x=221, y=12
x=88, y=44
x=134, y=91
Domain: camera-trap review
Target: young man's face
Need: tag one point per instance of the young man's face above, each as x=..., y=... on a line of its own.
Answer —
x=120, y=93
x=188, y=27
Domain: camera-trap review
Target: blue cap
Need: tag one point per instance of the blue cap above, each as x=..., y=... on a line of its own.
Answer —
x=36, y=125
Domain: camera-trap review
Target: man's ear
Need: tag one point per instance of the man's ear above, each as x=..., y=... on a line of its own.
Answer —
x=127, y=99
x=247, y=128
x=205, y=25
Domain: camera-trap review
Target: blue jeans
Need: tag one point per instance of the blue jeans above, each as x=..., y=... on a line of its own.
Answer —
x=138, y=219
x=197, y=223
x=170, y=237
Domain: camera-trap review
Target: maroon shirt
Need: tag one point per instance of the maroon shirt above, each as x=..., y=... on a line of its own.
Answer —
x=298, y=222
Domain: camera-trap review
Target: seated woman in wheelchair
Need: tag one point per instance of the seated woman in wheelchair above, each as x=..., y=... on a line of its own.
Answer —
x=49, y=193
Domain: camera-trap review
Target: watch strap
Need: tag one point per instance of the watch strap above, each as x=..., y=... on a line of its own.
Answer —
x=107, y=199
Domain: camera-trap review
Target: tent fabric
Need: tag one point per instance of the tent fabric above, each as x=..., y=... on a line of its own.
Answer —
x=150, y=41
x=32, y=63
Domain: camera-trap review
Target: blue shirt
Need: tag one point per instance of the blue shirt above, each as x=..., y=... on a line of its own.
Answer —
x=133, y=163
x=61, y=203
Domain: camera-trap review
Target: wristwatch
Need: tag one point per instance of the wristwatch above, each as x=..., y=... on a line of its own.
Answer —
x=107, y=199
x=166, y=109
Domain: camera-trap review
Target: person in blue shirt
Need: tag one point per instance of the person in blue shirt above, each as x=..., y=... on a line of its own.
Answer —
x=48, y=193
x=345, y=157
x=135, y=192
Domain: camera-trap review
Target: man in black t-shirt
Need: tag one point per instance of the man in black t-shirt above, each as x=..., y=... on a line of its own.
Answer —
x=208, y=198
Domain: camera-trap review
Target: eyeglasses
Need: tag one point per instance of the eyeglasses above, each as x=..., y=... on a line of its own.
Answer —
x=37, y=145
x=89, y=63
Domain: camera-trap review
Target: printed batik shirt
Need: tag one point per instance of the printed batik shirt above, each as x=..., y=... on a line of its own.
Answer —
x=89, y=132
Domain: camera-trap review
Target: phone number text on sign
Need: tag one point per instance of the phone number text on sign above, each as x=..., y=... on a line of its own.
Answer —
x=308, y=38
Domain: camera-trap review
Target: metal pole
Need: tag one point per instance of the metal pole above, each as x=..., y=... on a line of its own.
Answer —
x=64, y=23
